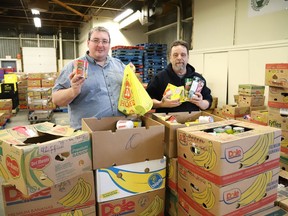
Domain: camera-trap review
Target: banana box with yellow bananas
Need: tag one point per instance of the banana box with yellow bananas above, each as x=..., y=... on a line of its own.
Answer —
x=77, y=194
x=181, y=119
x=238, y=198
x=34, y=157
x=117, y=182
x=89, y=211
x=124, y=146
x=144, y=204
x=225, y=157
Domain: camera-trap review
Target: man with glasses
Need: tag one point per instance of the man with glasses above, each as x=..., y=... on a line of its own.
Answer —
x=97, y=94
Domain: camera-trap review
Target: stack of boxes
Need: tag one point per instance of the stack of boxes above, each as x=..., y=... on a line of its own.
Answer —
x=9, y=89
x=129, y=166
x=227, y=174
x=5, y=111
x=46, y=170
x=276, y=78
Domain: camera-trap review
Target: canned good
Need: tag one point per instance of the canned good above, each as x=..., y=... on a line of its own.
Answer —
x=228, y=129
x=196, y=86
x=81, y=67
x=124, y=124
x=238, y=129
x=205, y=119
x=218, y=130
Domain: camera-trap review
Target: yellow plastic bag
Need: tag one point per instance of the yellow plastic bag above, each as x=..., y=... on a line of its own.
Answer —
x=133, y=97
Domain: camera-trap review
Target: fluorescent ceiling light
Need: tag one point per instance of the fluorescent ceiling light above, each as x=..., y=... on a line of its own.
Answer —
x=130, y=19
x=35, y=11
x=37, y=22
x=123, y=15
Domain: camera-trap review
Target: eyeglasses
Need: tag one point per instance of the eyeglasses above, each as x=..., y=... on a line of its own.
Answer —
x=97, y=41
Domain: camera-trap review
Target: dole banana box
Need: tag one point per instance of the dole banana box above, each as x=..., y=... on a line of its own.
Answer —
x=173, y=121
x=111, y=146
x=38, y=156
x=117, y=182
x=172, y=173
x=278, y=97
x=276, y=75
x=89, y=211
x=75, y=194
x=252, y=101
x=224, y=158
x=184, y=209
x=149, y=203
x=250, y=89
x=259, y=117
x=237, y=198
x=278, y=118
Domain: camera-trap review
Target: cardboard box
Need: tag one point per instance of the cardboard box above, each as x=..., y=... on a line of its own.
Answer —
x=252, y=101
x=214, y=103
x=117, y=182
x=41, y=155
x=171, y=202
x=152, y=202
x=111, y=146
x=225, y=158
x=89, y=211
x=282, y=194
x=185, y=210
x=259, y=117
x=53, y=200
x=276, y=75
x=251, y=89
x=278, y=97
x=237, y=198
x=233, y=111
x=284, y=141
x=219, y=112
x=182, y=119
x=277, y=119
x=273, y=211
x=172, y=173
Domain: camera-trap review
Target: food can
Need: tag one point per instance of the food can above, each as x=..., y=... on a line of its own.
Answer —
x=238, y=129
x=124, y=124
x=196, y=86
x=81, y=67
x=205, y=119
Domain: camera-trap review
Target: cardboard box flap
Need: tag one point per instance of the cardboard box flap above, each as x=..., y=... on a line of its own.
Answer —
x=50, y=128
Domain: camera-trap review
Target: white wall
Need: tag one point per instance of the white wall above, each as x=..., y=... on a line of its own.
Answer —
x=127, y=37
x=232, y=47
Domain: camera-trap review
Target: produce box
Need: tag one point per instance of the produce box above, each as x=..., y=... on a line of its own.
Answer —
x=224, y=158
x=278, y=97
x=233, y=111
x=116, y=182
x=171, y=202
x=284, y=141
x=35, y=157
x=251, y=89
x=185, y=210
x=252, y=101
x=237, y=198
x=273, y=211
x=124, y=146
x=172, y=170
x=278, y=118
x=150, y=203
x=276, y=75
x=175, y=120
x=259, y=117
x=76, y=193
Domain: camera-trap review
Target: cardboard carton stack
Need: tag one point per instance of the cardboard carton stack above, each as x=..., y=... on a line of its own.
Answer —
x=228, y=174
x=129, y=166
x=46, y=170
x=276, y=78
x=172, y=122
x=6, y=110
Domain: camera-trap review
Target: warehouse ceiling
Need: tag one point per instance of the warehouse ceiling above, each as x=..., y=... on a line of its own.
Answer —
x=67, y=14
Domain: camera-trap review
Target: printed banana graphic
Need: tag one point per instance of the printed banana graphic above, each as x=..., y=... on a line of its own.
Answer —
x=207, y=159
x=3, y=172
x=257, y=190
x=154, y=209
x=79, y=194
x=205, y=198
x=36, y=179
x=136, y=182
x=258, y=153
x=77, y=212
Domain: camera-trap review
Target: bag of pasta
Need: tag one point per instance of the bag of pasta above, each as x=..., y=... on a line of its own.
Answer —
x=133, y=97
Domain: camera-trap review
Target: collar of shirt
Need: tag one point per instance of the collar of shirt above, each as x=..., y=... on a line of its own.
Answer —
x=92, y=60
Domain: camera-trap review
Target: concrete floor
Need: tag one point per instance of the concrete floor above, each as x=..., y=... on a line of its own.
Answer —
x=21, y=118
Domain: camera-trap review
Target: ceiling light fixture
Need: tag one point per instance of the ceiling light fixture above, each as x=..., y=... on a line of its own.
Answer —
x=129, y=20
x=123, y=15
x=35, y=12
x=37, y=22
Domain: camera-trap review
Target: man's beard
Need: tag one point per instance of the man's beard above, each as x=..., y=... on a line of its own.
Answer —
x=180, y=66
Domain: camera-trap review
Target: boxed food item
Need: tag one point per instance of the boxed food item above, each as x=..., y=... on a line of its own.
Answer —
x=227, y=151
x=259, y=117
x=252, y=101
x=116, y=182
x=238, y=198
x=149, y=203
x=276, y=75
x=278, y=97
x=124, y=146
x=251, y=89
x=74, y=194
x=175, y=120
x=34, y=157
